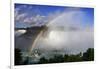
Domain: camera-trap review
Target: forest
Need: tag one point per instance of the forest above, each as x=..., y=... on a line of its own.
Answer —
x=58, y=58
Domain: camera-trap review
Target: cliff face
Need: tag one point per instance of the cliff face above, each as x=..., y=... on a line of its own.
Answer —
x=25, y=40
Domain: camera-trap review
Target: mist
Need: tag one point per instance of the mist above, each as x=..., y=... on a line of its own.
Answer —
x=66, y=33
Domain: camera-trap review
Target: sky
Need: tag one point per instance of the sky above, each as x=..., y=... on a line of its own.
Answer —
x=78, y=24
x=27, y=15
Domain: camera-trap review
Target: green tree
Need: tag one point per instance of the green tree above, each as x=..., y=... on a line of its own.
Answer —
x=18, y=57
x=58, y=58
x=88, y=55
x=43, y=60
x=73, y=58
x=66, y=58
x=26, y=61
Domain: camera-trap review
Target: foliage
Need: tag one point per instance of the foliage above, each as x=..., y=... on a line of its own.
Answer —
x=18, y=57
x=43, y=60
x=58, y=58
x=26, y=61
x=88, y=55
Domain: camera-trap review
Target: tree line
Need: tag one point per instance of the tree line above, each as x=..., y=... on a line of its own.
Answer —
x=58, y=58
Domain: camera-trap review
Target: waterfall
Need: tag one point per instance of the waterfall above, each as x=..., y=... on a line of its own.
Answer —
x=48, y=25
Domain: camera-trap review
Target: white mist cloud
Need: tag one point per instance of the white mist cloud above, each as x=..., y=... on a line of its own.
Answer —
x=74, y=38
